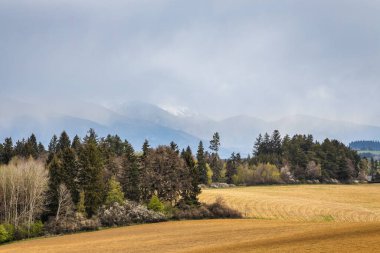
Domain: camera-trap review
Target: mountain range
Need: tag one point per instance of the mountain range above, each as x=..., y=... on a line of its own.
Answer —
x=137, y=121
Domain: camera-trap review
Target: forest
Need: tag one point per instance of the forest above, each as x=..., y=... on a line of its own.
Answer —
x=92, y=182
x=365, y=145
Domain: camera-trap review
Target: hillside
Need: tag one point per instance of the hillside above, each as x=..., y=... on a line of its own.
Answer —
x=339, y=203
x=301, y=218
x=138, y=121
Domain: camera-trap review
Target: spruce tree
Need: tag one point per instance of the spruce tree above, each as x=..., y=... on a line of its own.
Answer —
x=145, y=148
x=190, y=196
x=257, y=148
x=63, y=142
x=31, y=147
x=130, y=176
x=55, y=179
x=201, y=165
x=91, y=173
x=231, y=168
x=8, y=151
x=69, y=166
x=215, y=163
x=174, y=147
x=76, y=144
x=215, y=143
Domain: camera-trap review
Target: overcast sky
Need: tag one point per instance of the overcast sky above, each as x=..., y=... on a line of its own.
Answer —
x=220, y=58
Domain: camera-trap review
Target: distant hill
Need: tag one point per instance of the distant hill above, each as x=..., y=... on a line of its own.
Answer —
x=365, y=145
x=138, y=121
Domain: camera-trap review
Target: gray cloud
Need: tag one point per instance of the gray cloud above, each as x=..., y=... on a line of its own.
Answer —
x=263, y=58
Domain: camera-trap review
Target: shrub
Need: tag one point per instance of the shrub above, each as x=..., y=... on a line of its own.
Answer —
x=266, y=174
x=71, y=223
x=244, y=175
x=212, y=211
x=128, y=213
x=200, y=212
x=4, y=235
x=219, y=209
x=36, y=229
x=155, y=204
x=11, y=231
x=115, y=193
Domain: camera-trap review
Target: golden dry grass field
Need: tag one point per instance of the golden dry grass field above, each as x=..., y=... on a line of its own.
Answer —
x=342, y=203
x=292, y=220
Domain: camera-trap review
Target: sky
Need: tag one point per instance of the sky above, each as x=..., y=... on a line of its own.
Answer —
x=263, y=58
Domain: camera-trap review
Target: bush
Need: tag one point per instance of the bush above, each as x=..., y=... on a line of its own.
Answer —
x=71, y=223
x=4, y=236
x=244, y=175
x=115, y=193
x=11, y=231
x=219, y=209
x=267, y=174
x=212, y=211
x=25, y=231
x=197, y=213
x=36, y=229
x=128, y=213
x=155, y=204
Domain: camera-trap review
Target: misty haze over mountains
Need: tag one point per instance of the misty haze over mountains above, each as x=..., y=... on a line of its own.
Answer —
x=137, y=121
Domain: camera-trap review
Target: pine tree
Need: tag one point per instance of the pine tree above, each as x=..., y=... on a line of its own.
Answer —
x=8, y=151
x=174, y=147
x=69, y=166
x=63, y=142
x=55, y=179
x=130, y=176
x=52, y=148
x=231, y=168
x=145, y=148
x=91, y=173
x=257, y=148
x=190, y=196
x=31, y=147
x=215, y=163
x=76, y=143
x=202, y=168
x=276, y=142
x=215, y=143
x=81, y=208
x=41, y=149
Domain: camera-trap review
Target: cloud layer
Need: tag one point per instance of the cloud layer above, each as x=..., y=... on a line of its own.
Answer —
x=219, y=58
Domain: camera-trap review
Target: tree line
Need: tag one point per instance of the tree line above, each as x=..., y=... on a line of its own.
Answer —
x=365, y=145
x=78, y=179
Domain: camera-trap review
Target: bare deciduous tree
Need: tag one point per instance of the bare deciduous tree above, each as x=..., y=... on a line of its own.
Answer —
x=65, y=203
x=23, y=186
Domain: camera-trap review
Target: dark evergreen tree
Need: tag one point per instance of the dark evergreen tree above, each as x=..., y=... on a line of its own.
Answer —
x=41, y=149
x=174, y=146
x=190, y=195
x=258, y=146
x=76, y=143
x=69, y=167
x=215, y=163
x=130, y=176
x=215, y=143
x=55, y=179
x=91, y=173
x=31, y=147
x=63, y=142
x=145, y=148
x=52, y=148
x=201, y=165
x=231, y=167
x=8, y=151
